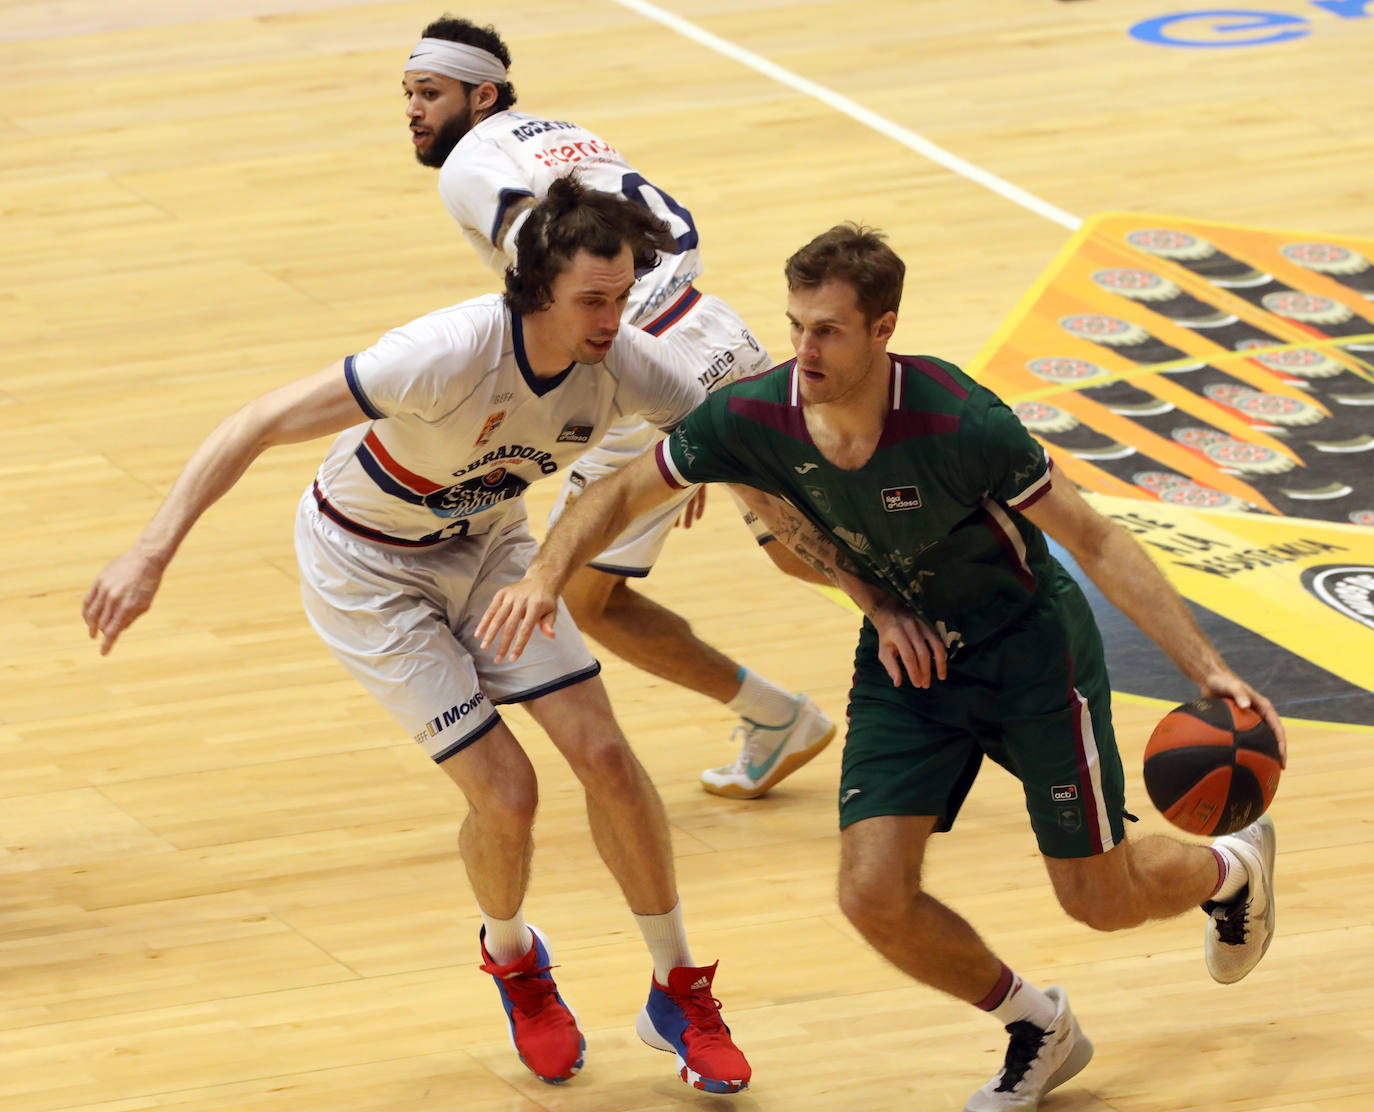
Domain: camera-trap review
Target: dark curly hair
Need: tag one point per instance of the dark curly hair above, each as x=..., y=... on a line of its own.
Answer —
x=573, y=218
x=484, y=38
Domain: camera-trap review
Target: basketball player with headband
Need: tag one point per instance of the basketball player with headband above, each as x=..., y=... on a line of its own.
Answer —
x=494, y=163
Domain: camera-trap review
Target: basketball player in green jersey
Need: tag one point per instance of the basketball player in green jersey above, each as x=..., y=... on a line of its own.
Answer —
x=918, y=492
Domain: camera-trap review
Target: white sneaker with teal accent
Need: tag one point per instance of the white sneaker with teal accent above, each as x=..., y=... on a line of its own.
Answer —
x=770, y=753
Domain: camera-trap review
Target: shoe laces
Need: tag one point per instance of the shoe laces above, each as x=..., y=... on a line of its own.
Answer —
x=1022, y=1051
x=528, y=989
x=754, y=740
x=703, y=1012
x=1233, y=919
x=749, y=738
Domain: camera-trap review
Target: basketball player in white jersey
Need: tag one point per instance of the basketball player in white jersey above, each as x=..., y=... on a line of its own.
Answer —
x=416, y=518
x=494, y=163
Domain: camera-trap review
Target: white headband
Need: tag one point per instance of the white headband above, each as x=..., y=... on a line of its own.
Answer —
x=455, y=59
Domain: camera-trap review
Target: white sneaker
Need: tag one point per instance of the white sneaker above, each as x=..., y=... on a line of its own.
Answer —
x=770, y=753
x=1037, y=1061
x=1239, y=931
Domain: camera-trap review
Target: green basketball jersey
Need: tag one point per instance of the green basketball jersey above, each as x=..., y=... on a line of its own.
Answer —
x=932, y=516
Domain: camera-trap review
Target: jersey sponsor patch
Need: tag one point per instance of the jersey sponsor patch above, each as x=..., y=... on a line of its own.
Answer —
x=493, y=423
x=901, y=498
x=474, y=495
x=437, y=725
x=574, y=433
x=1064, y=793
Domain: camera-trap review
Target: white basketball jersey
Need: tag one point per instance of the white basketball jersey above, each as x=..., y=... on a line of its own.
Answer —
x=461, y=426
x=512, y=155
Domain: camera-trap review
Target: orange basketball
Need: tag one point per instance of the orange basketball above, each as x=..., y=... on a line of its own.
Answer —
x=1211, y=767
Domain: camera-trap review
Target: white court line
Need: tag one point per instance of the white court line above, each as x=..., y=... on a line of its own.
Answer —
x=918, y=143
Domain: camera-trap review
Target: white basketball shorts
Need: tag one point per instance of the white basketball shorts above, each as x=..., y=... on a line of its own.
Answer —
x=401, y=621
x=718, y=346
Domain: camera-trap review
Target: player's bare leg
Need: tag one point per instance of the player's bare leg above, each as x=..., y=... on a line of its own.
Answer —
x=780, y=731
x=1153, y=878
x=496, y=839
x=630, y=828
x=628, y=822
x=651, y=637
x=496, y=843
x=880, y=893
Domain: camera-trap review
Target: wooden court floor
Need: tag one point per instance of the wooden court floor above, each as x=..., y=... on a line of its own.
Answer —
x=227, y=883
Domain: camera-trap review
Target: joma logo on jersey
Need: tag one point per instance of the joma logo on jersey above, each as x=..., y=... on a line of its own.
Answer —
x=574, y=434
x=436, y=726
x=901, y=498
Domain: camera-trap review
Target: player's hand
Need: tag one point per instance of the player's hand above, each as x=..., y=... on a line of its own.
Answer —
x=1225, y=682
x=513, y=614
x=693, y=509
x=906, y=642
x=120, y=593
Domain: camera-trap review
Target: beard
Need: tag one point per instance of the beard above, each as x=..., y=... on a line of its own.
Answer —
x=445, y=139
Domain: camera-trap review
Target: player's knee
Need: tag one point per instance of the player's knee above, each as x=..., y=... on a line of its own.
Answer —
x=1102, y=909
x=604, y=763
x=875, y=901
x=587, y=610
x=507, y=808
x=589, y=594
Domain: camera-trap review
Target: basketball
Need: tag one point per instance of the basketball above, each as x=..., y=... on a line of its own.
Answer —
x=1212, y=768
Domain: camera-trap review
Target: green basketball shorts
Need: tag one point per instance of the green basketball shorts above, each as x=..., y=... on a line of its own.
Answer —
x=1036, y=700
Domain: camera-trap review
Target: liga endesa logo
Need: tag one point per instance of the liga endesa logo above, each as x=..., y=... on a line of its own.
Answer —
x=1346, y=588
x=1219, y=28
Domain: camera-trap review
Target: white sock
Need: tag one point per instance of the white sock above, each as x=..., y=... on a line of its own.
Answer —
x=506, y=940
x=1013, y=1000
x=761, y=701
x=1232, y=875
x=666, y=937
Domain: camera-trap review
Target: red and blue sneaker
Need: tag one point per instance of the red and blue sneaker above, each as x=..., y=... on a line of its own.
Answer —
x=683, y=1018
x=543, y=1029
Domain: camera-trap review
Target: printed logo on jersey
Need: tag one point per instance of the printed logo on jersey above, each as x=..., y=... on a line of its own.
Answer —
x=493, y=423
x=575, y=434
x=510, y=453
x=569, y=154
x=804, y=468
x=1064, y=793
x=474, y=495
x=436, y=726
x=721, y=369
x=577, y=479
x=901, y=498
x=1070, y=819
x=819, y=499
x=1346, y=588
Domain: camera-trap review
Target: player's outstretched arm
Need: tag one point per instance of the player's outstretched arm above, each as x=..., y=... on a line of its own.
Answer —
x=601, y=512
x=905, y=641
x=302, y=410
x=1126, y=574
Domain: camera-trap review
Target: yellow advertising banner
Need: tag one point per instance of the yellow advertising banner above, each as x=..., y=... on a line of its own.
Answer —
x=1213, y=386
